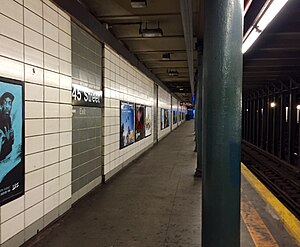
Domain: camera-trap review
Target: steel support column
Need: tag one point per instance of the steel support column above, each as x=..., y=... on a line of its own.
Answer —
x=196, y=116
x=243, y=118
x=268, y=122
x=222, y=69
x=248, y=120
x=252, y=116
x=262, y=112
x=199, y=113
x=292, y=123
x=273, y=149
x=282, y=130
x=258, y=121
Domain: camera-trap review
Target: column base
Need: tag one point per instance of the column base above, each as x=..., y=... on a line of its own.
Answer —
x=198, y=173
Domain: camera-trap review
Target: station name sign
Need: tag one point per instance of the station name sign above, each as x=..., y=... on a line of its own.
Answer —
x=84, y=96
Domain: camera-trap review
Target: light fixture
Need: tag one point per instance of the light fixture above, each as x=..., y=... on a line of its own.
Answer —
x=265, y=16
x=172, y=72
x=137, y=4
x=273, y=104
x=181, y=89
x=166, y=56
x=151, y=32
x=298, y=107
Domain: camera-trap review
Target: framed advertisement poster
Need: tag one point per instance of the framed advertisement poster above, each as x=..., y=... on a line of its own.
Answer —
x=148, y=121
x=139, y=122
x=11, y=140
x=126, y=124
x=165, y=118
x=174, y=117
x=162, y=116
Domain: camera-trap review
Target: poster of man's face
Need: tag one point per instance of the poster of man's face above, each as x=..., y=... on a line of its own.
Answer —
x=127, y=124
x=11, y=140
x=139, y=122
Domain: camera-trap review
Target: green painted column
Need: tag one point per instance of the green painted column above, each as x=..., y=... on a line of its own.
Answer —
x=198, y=117
x=222, y=78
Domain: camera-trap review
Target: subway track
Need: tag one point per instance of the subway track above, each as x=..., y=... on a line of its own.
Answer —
x=279, y=176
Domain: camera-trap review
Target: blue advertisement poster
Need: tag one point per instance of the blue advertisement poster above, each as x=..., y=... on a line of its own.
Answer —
x=11, y=140
x=127, y=124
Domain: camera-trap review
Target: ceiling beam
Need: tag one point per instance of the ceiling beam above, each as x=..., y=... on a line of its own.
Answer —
x=135, y=17
x=273, y=63
x=160, y=51
x=140, y=38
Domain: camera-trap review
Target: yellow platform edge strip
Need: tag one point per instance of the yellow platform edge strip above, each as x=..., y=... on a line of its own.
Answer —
x=291, y=223
x=259, y=232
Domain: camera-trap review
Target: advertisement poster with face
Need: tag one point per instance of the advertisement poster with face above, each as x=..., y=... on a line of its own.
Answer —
x=11, y=140
x=165, y=118
x=127, y=124
x=139, y=122
x=148, y=121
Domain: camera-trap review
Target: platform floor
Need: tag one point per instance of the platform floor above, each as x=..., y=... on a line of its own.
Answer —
x=155, y=202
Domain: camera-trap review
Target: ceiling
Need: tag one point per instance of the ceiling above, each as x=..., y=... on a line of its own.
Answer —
x=124, y=23
x=275, y=56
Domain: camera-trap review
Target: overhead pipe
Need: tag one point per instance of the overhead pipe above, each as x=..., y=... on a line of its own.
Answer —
x=186, y=7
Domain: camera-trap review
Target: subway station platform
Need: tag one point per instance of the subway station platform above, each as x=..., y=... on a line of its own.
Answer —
x=156, y=202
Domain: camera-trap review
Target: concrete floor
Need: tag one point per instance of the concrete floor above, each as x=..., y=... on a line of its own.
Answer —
x=155, y=202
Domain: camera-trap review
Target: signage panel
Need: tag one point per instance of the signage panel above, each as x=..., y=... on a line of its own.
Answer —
x=84, y=96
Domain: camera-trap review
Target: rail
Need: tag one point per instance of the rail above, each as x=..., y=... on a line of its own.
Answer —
x=280, y=177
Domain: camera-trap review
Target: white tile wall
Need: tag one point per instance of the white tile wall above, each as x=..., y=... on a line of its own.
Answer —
x=123, y=82
x=164, y=102
x=44, y=38
x=34, y=213
x=12, y=226
x=174, y=108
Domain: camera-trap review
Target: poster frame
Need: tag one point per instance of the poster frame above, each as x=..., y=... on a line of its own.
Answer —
x=145, y=120
x=120, y=122
x=163, y=110
x=135, y=106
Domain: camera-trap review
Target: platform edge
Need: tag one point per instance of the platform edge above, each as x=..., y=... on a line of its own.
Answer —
x=291, y=223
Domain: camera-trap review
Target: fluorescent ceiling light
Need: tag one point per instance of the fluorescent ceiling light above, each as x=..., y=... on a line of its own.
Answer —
x=173, y=72
x=166, y=56
x=153, y=32
x=264, y=18
x=138, y=4
x=250, y=39
x=270, y=13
